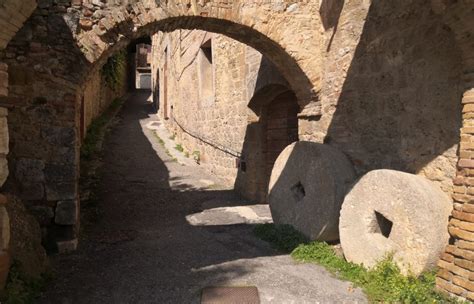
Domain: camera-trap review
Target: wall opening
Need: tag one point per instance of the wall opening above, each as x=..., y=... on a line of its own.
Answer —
x=143, y=67
x=206, y=73
x=165, y=85
x=382, y=225
x=281, y=128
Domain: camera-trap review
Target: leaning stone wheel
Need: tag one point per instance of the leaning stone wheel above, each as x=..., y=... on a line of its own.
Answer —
x=307, y=188
x=391, y=212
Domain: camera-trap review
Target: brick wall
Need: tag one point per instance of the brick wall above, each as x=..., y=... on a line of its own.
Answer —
x=389, y=77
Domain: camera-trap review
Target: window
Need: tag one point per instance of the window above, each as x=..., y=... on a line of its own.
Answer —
x=206, y=74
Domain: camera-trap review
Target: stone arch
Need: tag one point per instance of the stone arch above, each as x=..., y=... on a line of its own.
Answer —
x=294, y=53
x=65, y=44
x=16, y=12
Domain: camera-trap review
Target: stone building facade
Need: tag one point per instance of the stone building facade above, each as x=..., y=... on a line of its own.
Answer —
x=373, y=124
x=206, y=82
x=388, y=83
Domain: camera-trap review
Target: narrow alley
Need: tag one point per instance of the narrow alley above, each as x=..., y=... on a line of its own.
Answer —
x=144, y=250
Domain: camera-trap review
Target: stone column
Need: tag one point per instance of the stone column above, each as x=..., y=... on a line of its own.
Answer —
x=456, y=274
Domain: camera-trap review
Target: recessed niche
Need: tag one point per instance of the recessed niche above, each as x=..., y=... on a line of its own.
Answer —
x=298, y=191
x=383, y=225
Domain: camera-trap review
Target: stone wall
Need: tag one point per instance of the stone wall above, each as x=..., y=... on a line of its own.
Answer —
x=45, y=99
x=381, y=81
x=12, y=16
x=391, y=90
x=217, y=126
x=4, y=137
x=408, y=121
x=97, y=97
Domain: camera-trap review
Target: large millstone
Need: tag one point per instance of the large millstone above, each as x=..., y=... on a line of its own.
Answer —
x=307, y=188
x=391, y=212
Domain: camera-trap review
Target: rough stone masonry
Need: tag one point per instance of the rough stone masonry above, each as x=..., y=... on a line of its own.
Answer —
x=390, y=84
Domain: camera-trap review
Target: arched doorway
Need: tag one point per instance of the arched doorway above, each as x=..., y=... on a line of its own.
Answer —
x=274, y=126
x=280, y=127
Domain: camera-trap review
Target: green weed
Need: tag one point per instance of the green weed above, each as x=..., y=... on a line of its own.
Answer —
x=282, y=237
x=383, y=283
x=114, y=70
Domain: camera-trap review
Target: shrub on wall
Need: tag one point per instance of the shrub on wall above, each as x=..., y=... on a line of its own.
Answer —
x=115, y=69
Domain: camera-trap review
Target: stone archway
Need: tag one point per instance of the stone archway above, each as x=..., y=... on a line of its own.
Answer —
x=64, y=45
x=287, y=34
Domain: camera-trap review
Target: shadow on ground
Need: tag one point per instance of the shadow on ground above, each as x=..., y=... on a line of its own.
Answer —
x=142, y=250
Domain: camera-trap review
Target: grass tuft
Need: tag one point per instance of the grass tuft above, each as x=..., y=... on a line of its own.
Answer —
x=383, y=283
x=282, y=237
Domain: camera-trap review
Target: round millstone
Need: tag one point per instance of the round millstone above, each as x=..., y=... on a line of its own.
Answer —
x=395, y=213
x=307, y=188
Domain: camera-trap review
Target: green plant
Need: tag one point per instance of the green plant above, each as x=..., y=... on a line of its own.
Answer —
x=159, y=139
x=197, y=157
x=186, y=154
x=179, y=147
x=22, y=289
x=90, y=145
x=282, y=237
x=383, y=283
x=114, y=70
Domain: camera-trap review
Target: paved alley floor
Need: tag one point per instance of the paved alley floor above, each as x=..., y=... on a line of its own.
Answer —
x=167, y=232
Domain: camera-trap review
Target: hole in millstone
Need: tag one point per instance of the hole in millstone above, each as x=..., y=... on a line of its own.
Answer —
x=384, y=225
x=298, y=191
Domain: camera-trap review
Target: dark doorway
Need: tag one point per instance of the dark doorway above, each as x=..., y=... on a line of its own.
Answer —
x=281, y=127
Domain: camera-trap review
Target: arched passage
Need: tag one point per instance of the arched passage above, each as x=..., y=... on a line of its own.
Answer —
x=287, y=34
x=64, y=43
x=66, y=49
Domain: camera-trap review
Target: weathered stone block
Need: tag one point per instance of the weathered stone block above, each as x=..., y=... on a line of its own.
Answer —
x=67, y=212
x=32, y=191
x=387, y=212
x=3, y=169
x=61, y=191
x=29, y=170
x=60, y=173
x=61, y=136
x=307, y=188
x=67, y=246
x=43, y=214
